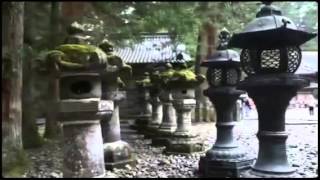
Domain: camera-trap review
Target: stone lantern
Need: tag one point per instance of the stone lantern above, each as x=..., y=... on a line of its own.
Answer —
x=145, y=116
x=168, y=124
x=270, y=55
x=117, y=153
x=79, y=69
x=155, y=91
x=225, y=158
x=151, y=118
x=182, y=84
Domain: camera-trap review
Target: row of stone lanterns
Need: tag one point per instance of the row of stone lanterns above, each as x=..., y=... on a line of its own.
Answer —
x=171, y=94
x=89, y=78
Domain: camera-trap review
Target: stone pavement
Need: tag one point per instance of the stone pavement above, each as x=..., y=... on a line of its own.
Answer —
x=293, y=116
x=302, y=150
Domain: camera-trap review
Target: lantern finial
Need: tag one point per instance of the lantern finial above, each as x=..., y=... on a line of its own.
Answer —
x=267, y=3
x=224, y=38
x=268, y=10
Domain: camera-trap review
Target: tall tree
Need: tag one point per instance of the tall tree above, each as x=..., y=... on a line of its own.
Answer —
x=55, y=24
x=12, y=36
x=30, y=135
x=52, y=129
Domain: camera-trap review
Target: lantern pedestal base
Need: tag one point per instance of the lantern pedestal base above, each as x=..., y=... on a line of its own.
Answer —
x=251, y=173
x=118, y=154
x=82, y=147
x=183, y=144
x=151, y=131
x=271, y=94
x=224, y=162
x=225, y=158
x=128, y=134
x=161, y=138
x=142, y=122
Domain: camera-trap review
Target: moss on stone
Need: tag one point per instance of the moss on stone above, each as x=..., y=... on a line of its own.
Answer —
x=184, y=78
x=78, y=55
x=144, y=82
x=77, y=48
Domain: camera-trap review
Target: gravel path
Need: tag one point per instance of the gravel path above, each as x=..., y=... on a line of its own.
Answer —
x=302, y=154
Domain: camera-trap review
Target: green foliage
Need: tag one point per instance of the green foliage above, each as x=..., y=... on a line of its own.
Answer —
x=179, y=78
x=77, y=49
x=15, y=163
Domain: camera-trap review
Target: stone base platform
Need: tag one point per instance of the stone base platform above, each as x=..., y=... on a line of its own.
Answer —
x=118, y=154
x=223, y=168
x=183, y=144
x=252, y=173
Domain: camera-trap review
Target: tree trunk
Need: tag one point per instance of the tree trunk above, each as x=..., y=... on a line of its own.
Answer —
x=12, y=35
x=52, y=129
x=30, y=135
x=55, y=32
x=198, y=90
x=73, y=11
x=206, y=44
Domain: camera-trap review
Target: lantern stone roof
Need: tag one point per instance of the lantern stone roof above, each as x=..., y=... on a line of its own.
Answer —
x=309, y=63
x=154, y=48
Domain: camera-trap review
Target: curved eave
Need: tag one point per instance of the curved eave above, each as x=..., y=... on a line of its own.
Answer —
x=270, y=39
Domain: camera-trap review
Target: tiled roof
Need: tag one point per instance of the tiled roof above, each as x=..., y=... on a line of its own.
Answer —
x=153, y=49
x=309, y=63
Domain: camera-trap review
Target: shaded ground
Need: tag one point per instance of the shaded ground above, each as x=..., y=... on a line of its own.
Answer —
x=302, y=149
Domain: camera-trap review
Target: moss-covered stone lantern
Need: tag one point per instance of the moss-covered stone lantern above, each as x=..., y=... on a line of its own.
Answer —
x=79, y=69
x=178, y=101
x=225, y=158
x=270, y=55
x=168, y=124
x=182, y=84
x=145, y=116
x=117, y=153
x=155, y=90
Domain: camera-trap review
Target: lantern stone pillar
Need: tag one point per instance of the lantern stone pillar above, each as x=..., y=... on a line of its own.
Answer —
x=145, y=116
x=272, y=94
x=80, y=110
x=117, y=153
x=182, y=141
x=169, y=124
x=156, y=113
x=225, y=158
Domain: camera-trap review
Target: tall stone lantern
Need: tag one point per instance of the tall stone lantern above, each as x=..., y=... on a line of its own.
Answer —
x=79, y=69
x=145, y=116
x=152, y=106
x=168, y=124
x=225, y=158
x=117, y=153
x=182, y=84
x=270, y=55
